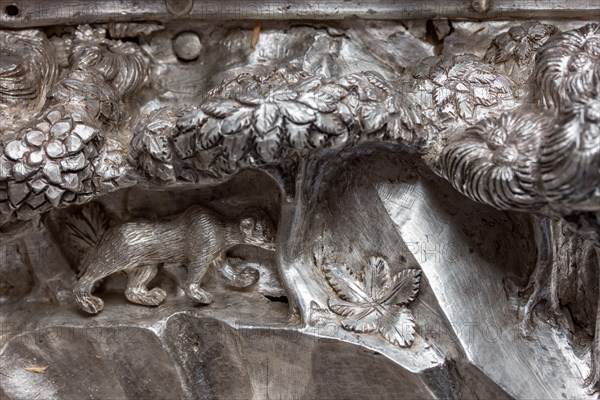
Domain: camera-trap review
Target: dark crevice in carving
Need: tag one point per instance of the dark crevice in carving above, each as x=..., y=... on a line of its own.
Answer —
x=277, y=299
x=435, y=37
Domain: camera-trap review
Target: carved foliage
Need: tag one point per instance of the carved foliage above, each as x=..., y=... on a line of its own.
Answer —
x=568, y=66
x=373, y=300
x=259, y=120
x=494, y=162
x=513, y=51
x=459, y=88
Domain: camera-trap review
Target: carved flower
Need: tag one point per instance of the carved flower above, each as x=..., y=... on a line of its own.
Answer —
x=373, y=300
x=568, y=66
x=495, y=161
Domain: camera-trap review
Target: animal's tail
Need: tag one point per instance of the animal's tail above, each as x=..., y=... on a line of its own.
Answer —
x=85, y=228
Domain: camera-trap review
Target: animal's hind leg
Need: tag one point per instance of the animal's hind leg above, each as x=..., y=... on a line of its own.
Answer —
x=196, y=271
x=86, y=284
x=137, y=290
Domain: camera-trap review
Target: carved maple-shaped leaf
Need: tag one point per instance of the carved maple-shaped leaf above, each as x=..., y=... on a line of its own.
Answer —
x=399, y=327
x=374, y=300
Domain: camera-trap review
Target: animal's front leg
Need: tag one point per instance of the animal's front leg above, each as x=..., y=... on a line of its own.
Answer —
x=196, y=270
x=137, y=291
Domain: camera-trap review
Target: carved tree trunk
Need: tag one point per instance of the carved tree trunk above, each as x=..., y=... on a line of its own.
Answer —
x=296, y=269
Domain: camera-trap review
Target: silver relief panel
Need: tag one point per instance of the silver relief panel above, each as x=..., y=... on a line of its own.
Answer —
x=400, y=205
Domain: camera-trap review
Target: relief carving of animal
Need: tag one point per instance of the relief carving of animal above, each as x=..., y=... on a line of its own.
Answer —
x=196, y=238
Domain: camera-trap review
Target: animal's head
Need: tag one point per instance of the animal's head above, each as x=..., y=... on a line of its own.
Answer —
x=257, y=231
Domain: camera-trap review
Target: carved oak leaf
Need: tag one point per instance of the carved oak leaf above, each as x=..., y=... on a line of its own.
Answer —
x=374, y=301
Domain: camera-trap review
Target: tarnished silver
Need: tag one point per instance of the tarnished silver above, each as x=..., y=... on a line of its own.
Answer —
x=423, y=190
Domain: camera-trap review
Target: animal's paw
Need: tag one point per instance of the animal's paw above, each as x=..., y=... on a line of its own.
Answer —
x=199, y=295
x=240, y=279
x=146, y=298
x=89, y=304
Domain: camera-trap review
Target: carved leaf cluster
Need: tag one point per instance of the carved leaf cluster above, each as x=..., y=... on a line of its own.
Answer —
x=259, y=120
x=62, y=156
x=515, y=49
x=541, y=160
x=372, y=300
x=459, y=87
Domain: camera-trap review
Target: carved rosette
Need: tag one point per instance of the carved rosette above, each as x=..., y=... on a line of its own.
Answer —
x=493, y=162
x=568, y=67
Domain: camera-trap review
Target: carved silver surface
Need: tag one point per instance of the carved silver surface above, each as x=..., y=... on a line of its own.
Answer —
x=423, y=193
